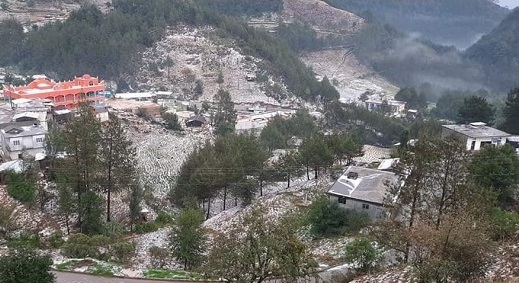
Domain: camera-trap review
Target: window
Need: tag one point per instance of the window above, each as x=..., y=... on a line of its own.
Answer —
x=39, y=140
x=16, y=142
x=365, y=206
x=342, y=200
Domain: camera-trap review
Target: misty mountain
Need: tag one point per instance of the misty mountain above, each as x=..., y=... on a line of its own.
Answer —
x=498, y=53
x=446, y=22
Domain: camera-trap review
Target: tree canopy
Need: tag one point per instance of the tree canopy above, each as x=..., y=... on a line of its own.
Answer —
x=476, y=109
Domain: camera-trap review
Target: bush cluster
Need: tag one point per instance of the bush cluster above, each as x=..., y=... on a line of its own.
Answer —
x=98, y=247
x=329, y=219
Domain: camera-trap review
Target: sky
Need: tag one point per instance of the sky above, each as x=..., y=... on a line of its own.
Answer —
x=509, y=3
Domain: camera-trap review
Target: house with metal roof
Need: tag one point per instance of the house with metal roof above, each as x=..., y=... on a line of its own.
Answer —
x=476, y=135
x=363, y=189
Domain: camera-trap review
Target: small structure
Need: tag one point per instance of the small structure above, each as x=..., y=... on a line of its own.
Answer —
x=61, y=116
x=362, y=189
x=196, y=121
x=476, y=135
x=250, y=77
x=388, y=164
x=101, y=112
x=22, y=136
x=514, y=142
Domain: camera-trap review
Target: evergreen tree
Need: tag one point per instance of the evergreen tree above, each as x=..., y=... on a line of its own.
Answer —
x=316, y=154
x=496, y=169
x=117, y=161
x=188, y=237
x=511, y=113
x=136, y=196
x=225, y=116
x=476, y=109
x=81, y=139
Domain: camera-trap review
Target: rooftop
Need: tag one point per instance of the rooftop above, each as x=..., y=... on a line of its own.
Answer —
x=370, y=184
x=477, y=130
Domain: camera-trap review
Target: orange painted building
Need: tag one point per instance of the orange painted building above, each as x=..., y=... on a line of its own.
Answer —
x=62, y=94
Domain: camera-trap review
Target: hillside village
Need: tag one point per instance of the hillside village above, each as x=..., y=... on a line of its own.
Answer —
x=173, y=171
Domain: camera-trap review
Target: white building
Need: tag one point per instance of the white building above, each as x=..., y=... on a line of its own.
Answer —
x=395, y=107
x=476, y=135
x=28, y=137
x=362, y=189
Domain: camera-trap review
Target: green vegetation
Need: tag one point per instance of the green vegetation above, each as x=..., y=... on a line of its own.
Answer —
x=497, y=53
x=172, y=274
x=21, y=186
x=243, y=158
x=112, y=41
x=171, y=121
x=363, y=254
x=447, y=22
x=23, y=266
x=328, y=219
x=511, y=112
x=25, y=241
x=99, y=247
x=187, y=237
x=476, y=109
x=442, y=210
x=275, y=247
x=496, y=169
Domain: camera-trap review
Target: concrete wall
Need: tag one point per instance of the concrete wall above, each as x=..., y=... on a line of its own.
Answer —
x=376, y=212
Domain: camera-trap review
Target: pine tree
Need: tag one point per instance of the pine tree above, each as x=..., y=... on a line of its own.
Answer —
x=511, y=113
x=81, y=141
x=188, y=238
x=225, y=116
x=117, y=161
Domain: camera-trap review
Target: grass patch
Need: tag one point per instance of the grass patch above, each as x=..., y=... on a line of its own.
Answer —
x=172, y=274
x=67, y=265
x=101, y=270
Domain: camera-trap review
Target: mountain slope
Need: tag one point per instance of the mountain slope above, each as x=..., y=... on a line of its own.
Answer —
x=447, y=22
x=498, y=53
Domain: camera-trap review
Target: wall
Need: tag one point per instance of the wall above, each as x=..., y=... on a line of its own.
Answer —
x=373, y=210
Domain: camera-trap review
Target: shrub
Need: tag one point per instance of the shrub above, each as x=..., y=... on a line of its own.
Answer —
x=146, y=227
x=505, y=224
x=80, y=246
x=159, y=256
x=20, y=187
x=79, y=239
x=79, y=250
x=164, y=218
x=100, y=240
x=55, y=240
x=113, y=229
x=329, y=219
x=122, y=251
x=25, y=241
x=363, y=255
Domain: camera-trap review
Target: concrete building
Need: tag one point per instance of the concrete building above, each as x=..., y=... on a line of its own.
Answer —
x=18, y=137
x=68, y=94
x=395, y=107
x=476, y=135
x=362, y=189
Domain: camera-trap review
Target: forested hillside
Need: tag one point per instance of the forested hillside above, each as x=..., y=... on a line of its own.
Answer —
x=498, y=53
x=448, y=22
x=109, y=45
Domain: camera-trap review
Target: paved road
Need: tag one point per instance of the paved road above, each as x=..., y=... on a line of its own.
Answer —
x=73, y=277
x=69, y=277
